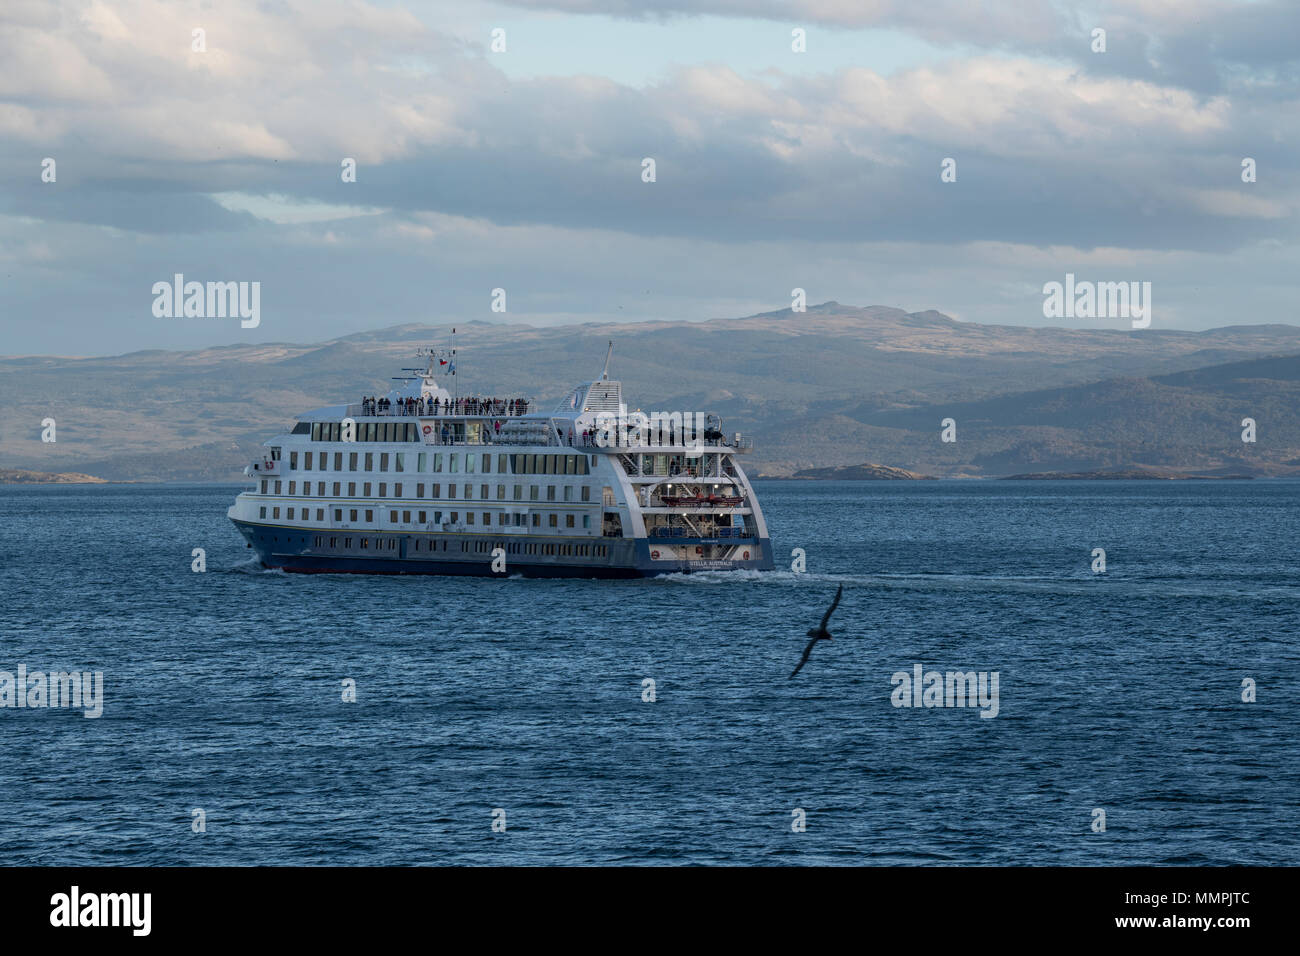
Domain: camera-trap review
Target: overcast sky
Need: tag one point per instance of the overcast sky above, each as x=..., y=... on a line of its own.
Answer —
x=522, y=169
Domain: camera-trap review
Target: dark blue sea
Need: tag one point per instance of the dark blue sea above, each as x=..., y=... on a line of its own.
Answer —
x=1119, y=692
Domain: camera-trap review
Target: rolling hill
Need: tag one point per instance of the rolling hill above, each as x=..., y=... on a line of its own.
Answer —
x=836, y=385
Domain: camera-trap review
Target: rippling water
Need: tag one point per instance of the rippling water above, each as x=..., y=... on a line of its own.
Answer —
x=1119, y=691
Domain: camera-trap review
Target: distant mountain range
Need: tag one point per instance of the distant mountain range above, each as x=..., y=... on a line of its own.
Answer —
x=832, y=386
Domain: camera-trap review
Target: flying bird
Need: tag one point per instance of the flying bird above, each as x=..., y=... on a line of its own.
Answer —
x=819, y=633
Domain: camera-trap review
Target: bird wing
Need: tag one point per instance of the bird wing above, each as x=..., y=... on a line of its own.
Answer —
x=803, y=660
x=831, y=609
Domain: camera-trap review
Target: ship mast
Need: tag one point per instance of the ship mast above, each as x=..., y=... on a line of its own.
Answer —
x=604, y=373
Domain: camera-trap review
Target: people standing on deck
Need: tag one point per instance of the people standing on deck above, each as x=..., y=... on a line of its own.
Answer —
x=432, y=405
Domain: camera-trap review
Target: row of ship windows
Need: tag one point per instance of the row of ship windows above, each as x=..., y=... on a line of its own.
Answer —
x=480, y=547
x=365, y=431
x=434, y=490
x=427, y=462
x=422, y=517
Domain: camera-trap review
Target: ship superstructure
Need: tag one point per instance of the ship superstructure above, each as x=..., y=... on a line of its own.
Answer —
x=422, y=481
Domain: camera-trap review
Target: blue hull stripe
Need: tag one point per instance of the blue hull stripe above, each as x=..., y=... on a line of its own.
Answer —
x=291, y=549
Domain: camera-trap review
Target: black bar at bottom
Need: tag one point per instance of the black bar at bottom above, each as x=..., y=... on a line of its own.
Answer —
x=948, y=906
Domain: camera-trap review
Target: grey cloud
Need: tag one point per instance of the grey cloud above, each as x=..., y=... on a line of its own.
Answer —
x=135, y=206
x=1199, y=44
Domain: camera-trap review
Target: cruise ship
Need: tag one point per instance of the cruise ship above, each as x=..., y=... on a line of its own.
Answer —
x=422, y=481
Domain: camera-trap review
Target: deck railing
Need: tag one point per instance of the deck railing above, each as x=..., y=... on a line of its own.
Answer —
x=472, y=409
x=738, y=445
x=687, y=533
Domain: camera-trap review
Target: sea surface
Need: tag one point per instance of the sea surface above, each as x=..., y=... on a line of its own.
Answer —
x=483, y=699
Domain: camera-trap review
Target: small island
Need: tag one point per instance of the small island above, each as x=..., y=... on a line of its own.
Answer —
x=20, y=476
x=863, y=472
